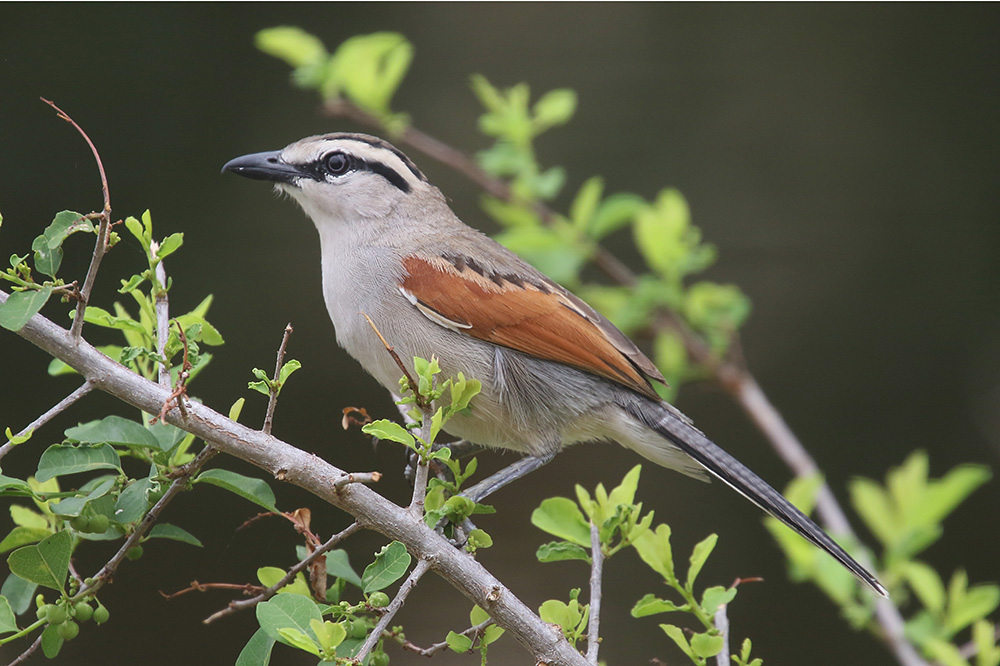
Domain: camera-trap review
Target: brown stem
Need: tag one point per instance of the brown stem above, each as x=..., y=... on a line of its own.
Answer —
x=273, y=399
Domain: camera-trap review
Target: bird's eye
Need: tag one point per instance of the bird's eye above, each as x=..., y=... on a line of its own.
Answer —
x=337, y=164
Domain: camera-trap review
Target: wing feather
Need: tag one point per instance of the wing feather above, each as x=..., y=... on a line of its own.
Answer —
x=540, y=319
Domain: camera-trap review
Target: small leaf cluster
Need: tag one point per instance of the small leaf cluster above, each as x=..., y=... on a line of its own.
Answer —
x=448, y=398
x=140, y=350
x=266, y=385
x=905, y=515
x=29, y=296
x=331, y=628
x=461, y=643
x=656, y=551
x=365, y=69
x=618, y=518
x=620, y=523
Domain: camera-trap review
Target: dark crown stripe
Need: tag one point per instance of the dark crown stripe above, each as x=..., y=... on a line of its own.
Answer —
x=375, y=142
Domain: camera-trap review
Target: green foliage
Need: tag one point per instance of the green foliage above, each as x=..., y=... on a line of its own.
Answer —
x=365, y=69
x=905, y=515
x=333, y=628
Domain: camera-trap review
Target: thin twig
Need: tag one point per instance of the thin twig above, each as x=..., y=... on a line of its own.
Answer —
x=103, y=231
x=195, y=586
x=404, y=591
x=273, y=399
x=180, y=390
x=236, y=606
x=421, y=400
x=472, y=632
x=181, y=477
x=162, y=320
x=596, y=569
x=59, y=407
x=23, y=657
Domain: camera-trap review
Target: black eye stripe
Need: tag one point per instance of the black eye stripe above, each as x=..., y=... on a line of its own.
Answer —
x=339, y=163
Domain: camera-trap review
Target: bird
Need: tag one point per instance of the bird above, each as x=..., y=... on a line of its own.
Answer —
x=554, y=371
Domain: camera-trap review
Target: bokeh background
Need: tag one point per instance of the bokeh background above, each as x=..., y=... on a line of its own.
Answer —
x=843, y=159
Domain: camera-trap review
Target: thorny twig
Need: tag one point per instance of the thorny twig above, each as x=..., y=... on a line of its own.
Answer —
x=103, y=232
x=235, y=606
x=272, y=401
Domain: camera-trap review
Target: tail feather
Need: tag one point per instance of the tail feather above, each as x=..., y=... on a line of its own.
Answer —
x=727, y=468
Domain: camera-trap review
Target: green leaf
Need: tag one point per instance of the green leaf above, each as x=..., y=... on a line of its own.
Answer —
x=558, y=551
x=389, y=566
x=25, y=517
x=328, y=634
x=74, y=506
x=287, y=611
x=714, y=597
x=62, y=459
x=385, y=429
x=615, y=212
x=22, y=536
x=11, y=487
x=654, y=548
x=101, y=317
x=945, y=494
x=46, y=563
x=927, y=585
x=48, y=246
x=286, y=371
x=117, y=431
x=873, y=505
x=976, y=604
x=555, y=107
x=677, y=636
x=698, y=557
x=8, y=623
x=458, y=643
x=271, y=576
x=257, y=651
x=584, y=205
x=293, y=45
x=168, y=531
x=651, y=605
x=52, y=642
x=255, y=490
x=706, y=645
x=338, y=565
x=133, y=502
x=561, y=517
x=624, y=492
x=19, y=592
x=21, y=306
x=298, y=639
x=169, y=245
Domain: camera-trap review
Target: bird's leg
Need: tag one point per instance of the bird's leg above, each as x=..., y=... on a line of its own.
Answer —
x=512, y=472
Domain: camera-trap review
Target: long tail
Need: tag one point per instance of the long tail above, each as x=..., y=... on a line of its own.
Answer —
x=690, y=440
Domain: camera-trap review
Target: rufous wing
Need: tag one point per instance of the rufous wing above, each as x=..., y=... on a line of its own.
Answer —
x=533, y=316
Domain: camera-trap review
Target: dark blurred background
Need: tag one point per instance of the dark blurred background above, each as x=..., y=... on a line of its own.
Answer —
x=842, y=158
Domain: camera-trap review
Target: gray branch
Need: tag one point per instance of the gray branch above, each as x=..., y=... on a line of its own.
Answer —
x=287, y=463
